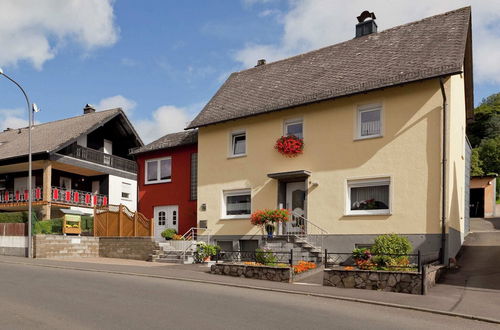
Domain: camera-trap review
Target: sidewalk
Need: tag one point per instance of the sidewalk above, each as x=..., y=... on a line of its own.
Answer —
x=444, y=298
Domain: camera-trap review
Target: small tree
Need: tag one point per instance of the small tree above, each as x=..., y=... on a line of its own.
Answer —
x=476, y=164
x=391, y=244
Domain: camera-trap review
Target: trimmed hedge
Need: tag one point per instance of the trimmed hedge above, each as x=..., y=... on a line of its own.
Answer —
x=17, y=217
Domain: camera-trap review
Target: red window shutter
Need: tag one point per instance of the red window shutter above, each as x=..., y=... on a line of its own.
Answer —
x=76, y=197
x=17, y=196
x=26, y=195
x=55, y=193
x=95, y=200
x=87, y=198
x=68, y=196
x=104, y=201
x=38, y=193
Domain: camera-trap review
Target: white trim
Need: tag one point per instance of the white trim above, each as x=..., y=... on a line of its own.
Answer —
x=366, y=108
x=367, y=182
x=237, y=192
x=158, y=169
x=232, y=135
x=292, y=121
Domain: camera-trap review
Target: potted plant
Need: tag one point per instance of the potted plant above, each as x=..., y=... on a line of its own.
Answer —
x=289, y=145
x=205, y=251
x=168, y=233
x=268, y=218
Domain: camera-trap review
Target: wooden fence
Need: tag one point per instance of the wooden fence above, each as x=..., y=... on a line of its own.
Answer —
x=13, y=229
x=118, y=220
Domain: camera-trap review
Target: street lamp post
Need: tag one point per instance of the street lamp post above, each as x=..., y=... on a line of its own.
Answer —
x=31, y=109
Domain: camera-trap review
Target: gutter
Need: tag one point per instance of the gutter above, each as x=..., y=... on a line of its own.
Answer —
x=443, y=180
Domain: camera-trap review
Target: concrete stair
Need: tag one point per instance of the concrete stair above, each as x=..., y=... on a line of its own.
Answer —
x=302, y=249
x=166, y=253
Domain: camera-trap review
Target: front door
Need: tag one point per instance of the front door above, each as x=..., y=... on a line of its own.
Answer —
x=295, y=202
x=166, y=217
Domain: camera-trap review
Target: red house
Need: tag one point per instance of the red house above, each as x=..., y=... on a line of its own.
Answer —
x=167, y=181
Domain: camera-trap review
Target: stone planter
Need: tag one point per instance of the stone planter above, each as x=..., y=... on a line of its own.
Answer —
x=391, y=281
x=269, y=273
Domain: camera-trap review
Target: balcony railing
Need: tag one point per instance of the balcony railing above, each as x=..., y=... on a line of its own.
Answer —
x=78, y=197
x=20, y=196
x=59, y=195
x=102, y=158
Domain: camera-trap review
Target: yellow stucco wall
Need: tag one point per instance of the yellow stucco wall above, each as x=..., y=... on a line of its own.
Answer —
x=409, y=153
x=456, y=152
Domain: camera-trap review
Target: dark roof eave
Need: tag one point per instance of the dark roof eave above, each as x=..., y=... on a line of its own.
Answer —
x=325, y=99
x=134, y=153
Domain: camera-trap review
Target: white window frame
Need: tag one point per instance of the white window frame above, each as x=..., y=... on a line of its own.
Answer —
x=366, y=108
x=127, y=190
x=158, y=169
x=367, y=182
x=232, y=135
x=239, y=192
x=288, y=122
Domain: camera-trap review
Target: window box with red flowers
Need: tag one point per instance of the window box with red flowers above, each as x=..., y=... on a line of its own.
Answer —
x=290, y=145
x=267, y=219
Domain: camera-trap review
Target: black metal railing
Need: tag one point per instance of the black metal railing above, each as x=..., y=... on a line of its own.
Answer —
x=393, y=262
x=20, y=196
x=78, y=197
x=99, y=157
x=265, y=257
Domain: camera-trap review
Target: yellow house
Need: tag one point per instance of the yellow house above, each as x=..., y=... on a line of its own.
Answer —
x=382, y=118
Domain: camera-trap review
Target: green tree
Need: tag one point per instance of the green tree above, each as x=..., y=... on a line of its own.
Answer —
x=489, y=153
x=476, y=166
x=486, y=120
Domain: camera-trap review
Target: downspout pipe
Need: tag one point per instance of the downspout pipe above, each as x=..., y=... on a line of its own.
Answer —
x=443, y=174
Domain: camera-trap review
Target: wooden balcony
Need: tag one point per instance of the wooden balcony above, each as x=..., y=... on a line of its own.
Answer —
x=101, y=158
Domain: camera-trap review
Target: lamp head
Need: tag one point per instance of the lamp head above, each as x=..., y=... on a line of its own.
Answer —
x=1, y=71
x=35, y=108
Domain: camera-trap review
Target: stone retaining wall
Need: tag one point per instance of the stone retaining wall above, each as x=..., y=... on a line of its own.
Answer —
x=138, y=248
x=277, y=274
x=404, y=282
x=58, y=246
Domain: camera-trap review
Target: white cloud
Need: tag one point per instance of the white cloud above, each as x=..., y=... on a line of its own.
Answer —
x=13, y=118
x=34, y=30
x=311, y=24
x=166, y=119
x=117, y=101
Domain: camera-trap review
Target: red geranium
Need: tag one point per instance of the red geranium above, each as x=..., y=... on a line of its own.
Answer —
x=265, y=217
x=290, y=145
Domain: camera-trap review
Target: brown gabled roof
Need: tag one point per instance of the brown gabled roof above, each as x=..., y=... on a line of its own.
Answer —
x=52, y=136
x=432, y=47
x=169, y=141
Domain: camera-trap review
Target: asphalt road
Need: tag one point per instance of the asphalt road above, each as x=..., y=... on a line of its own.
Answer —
x=33, y=297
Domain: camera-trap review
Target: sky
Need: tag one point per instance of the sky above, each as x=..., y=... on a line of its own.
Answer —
x=162, y=60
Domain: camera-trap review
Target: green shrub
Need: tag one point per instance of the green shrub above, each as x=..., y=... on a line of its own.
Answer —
x=391, y=244
x=17, y=217
x=168, y=233
x=204, y=250
x=42, y=227
x=265, y=257
x=56, y=225
x=87, y=223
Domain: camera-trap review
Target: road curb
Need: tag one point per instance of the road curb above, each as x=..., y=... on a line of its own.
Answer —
x=253, y=287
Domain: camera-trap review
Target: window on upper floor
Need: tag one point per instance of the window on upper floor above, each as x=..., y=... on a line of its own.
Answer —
x=237, y=204
x=158, y=170
x=369, y=121
x=294, y=127
x=367, y=197
x=238, y=144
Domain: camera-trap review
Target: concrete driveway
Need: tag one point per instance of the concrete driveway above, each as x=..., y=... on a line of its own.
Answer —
x=476, y=284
